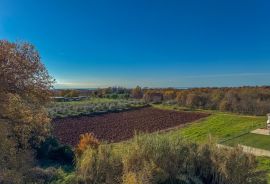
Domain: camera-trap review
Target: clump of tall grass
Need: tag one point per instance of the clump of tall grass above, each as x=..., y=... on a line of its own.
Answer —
x=99, y=165
x=157, y=159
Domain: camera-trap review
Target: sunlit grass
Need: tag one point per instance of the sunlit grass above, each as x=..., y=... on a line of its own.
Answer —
x=224, y=126
x=253, y=140
x=218, y=125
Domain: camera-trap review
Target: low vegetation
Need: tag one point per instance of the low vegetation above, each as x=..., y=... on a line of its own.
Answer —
x=221, y=126
x=86, y=140
x=250, y=139
x=159, y=159
x=14, y=163
x=91, y=106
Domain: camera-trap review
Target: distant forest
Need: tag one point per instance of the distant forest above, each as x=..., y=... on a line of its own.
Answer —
x=244, y=100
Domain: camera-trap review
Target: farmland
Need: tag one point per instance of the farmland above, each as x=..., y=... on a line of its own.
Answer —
x=91, y=106
x=197, y=126
x=110, y=127
x=115, y=127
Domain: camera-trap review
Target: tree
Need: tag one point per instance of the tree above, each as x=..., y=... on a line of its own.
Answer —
x=24, y=91
x=137, y=92
x=169, y=95
x=192, y=100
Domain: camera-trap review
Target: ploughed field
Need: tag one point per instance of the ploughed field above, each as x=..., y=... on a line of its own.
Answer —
x=120, y=126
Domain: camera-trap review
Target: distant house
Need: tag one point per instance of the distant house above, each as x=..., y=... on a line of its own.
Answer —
x=153, y=97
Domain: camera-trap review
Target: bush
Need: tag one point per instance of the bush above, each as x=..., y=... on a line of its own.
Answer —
x=38, y=175
x=63, y=177
x=52, y=150
x=162, y=160
x=100, y=165
x=50, y=175
x=15, y=163
x=87, y=140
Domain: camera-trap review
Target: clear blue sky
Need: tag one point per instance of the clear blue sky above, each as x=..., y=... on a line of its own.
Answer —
x=176, y=43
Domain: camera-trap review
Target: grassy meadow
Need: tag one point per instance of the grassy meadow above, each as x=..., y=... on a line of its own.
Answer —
x=226, y=127
x=252, y=140
x=220, y=126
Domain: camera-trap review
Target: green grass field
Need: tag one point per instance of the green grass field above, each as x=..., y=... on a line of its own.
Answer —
x=220, y=126
x=225, y=126
x=253, y=140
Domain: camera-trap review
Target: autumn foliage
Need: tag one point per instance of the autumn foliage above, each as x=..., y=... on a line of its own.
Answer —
x=87, y=140
x=24, y=92
x=244, y=100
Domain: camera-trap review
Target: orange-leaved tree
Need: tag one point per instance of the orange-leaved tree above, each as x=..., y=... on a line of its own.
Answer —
x=24, y=91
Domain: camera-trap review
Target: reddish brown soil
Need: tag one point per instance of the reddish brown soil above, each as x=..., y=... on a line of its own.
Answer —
x=116, y=127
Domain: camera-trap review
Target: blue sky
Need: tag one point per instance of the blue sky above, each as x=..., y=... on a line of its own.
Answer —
x=168, y=43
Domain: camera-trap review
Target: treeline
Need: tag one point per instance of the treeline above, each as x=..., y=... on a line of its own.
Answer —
x=110, y=92
x=244, y=100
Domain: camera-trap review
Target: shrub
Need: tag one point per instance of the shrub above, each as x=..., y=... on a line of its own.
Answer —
x=63, y=177
x=87, y=140
x=99, y=165
x=52, y=150
x=162, y=160
x=15, y=163
x=40, y=175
